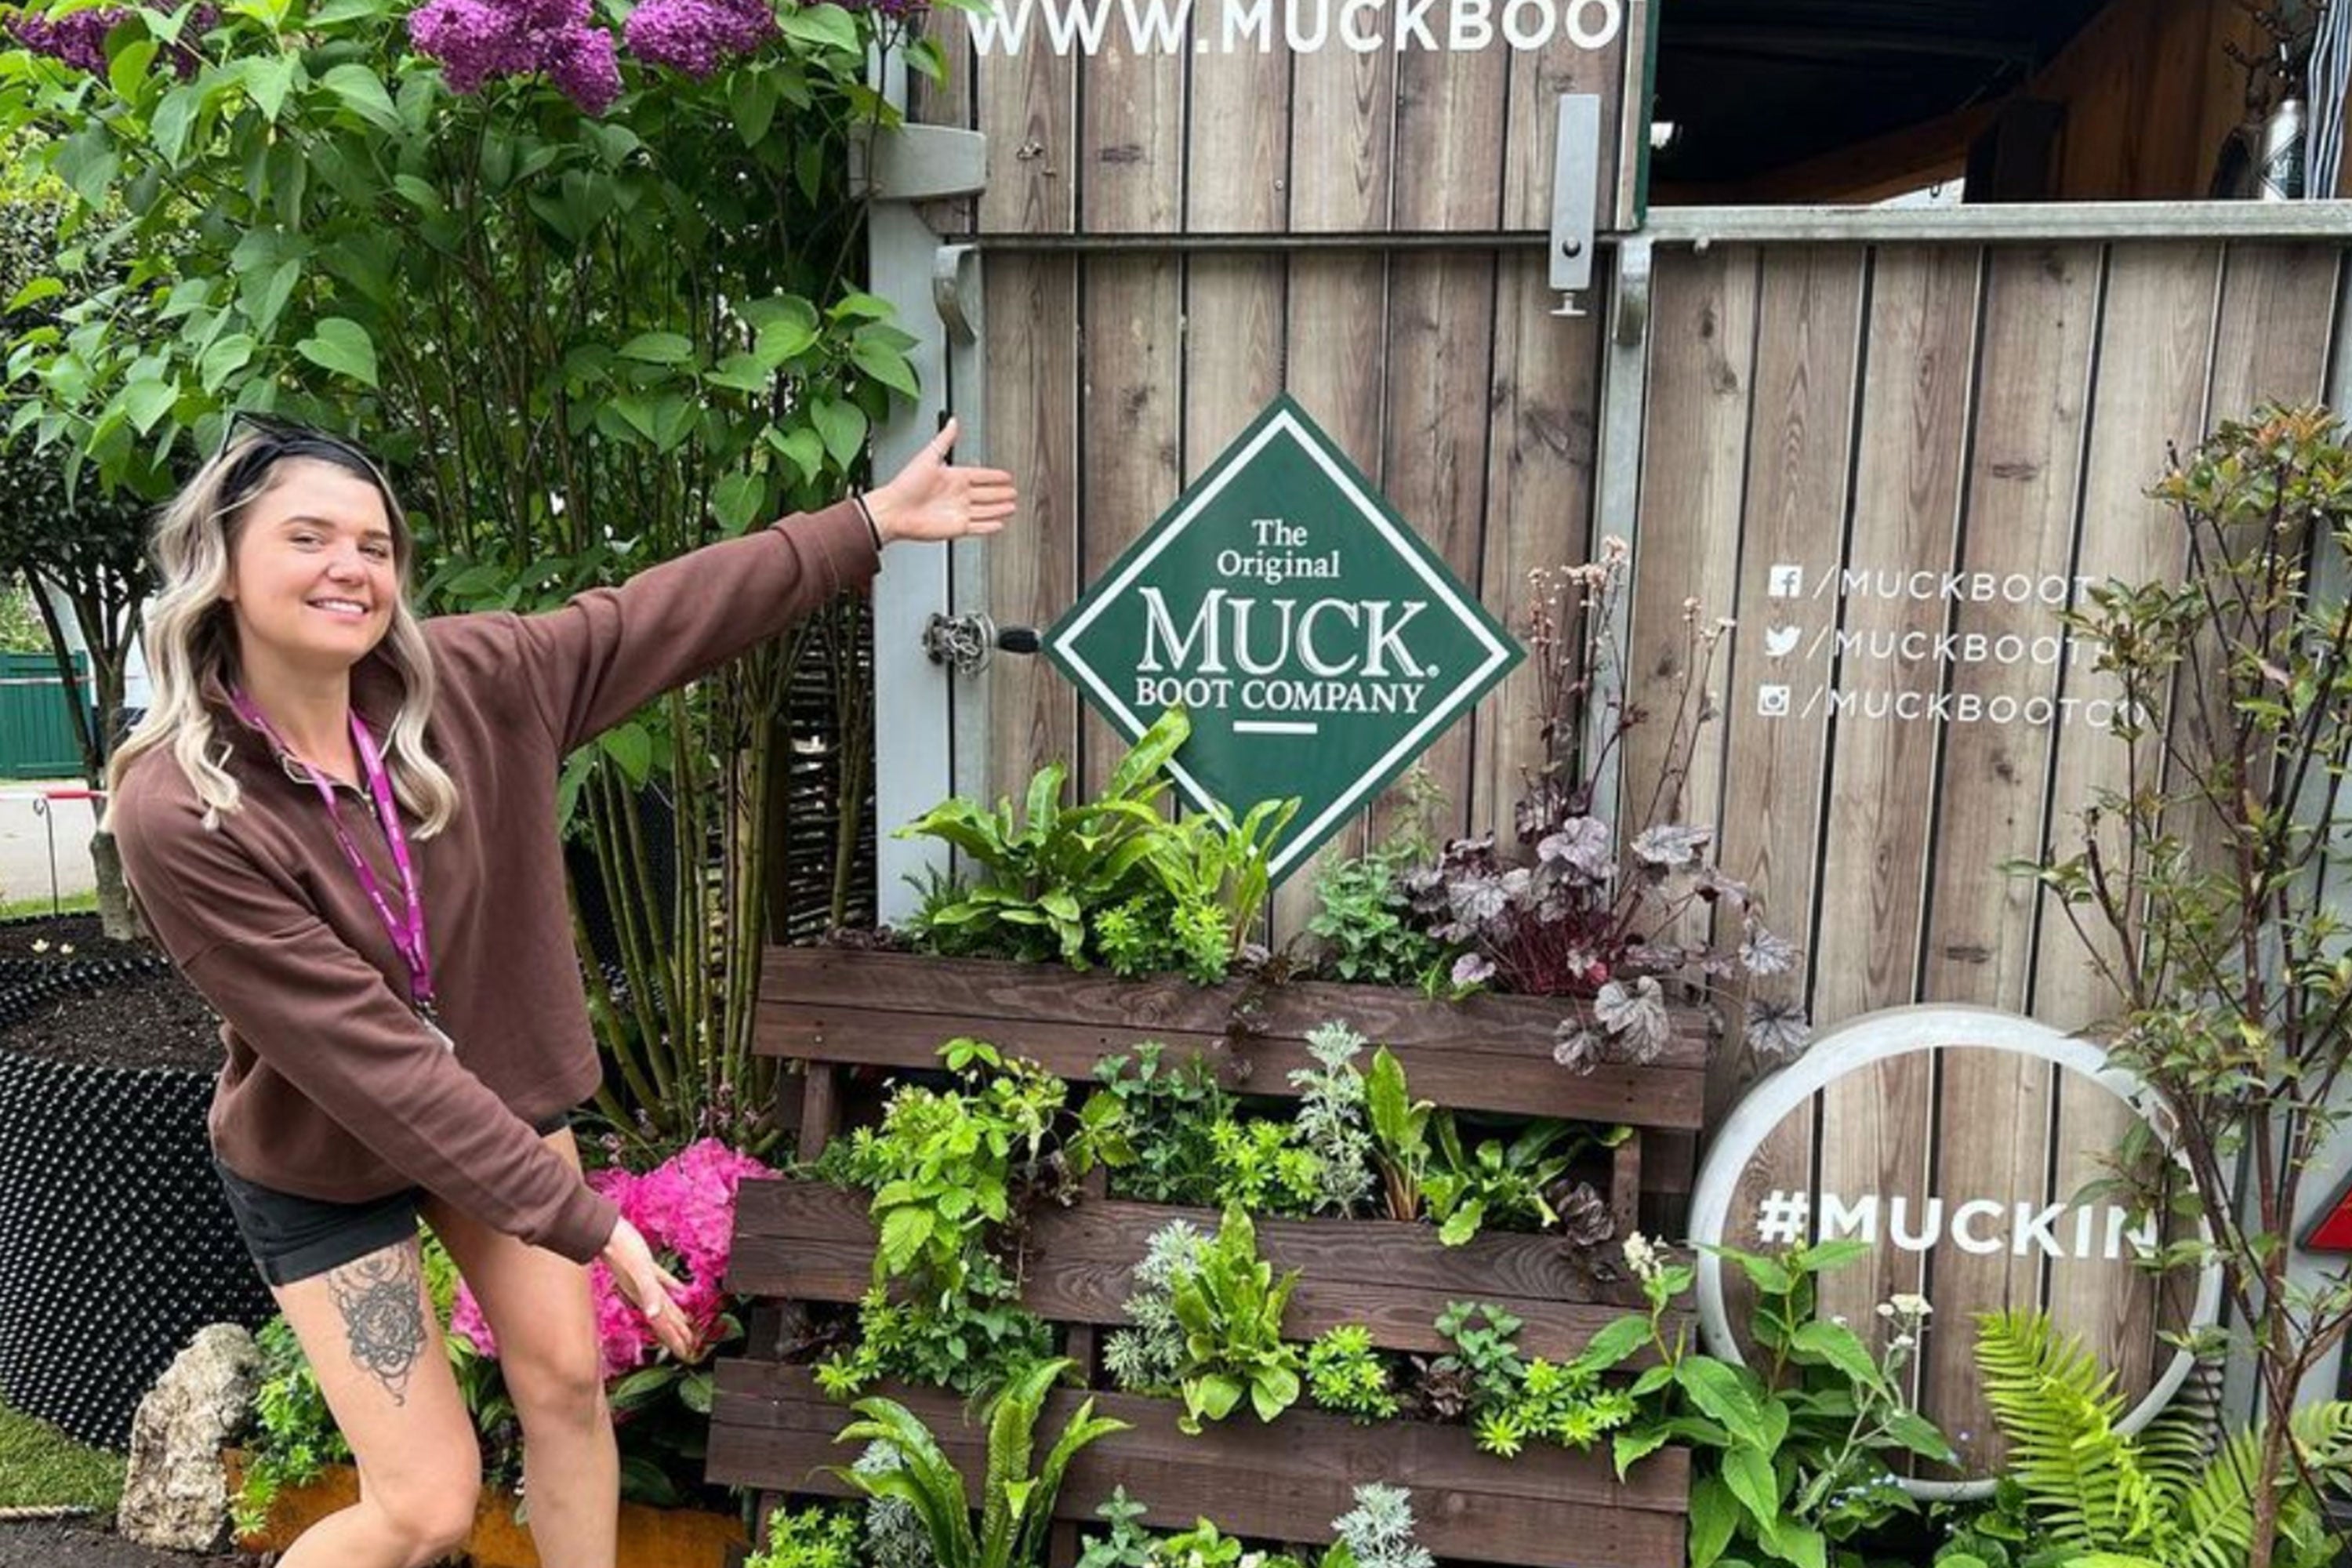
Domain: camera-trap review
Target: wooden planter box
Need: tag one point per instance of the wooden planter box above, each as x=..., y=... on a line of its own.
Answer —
x=650, y=1537
x=803, y=1242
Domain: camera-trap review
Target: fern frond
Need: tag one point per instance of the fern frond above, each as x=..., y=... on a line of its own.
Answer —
x=2085, y=1481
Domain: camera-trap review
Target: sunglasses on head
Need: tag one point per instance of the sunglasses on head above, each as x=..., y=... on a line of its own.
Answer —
x=276, y=440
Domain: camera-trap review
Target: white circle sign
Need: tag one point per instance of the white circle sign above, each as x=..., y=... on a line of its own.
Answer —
x=1967, y=1223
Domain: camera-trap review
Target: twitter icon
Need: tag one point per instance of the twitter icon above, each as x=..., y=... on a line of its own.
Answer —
x=1780, y=642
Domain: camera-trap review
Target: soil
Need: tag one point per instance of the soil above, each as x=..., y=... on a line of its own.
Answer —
x=84, y=1546
x=21, y=939
x=142, y=1021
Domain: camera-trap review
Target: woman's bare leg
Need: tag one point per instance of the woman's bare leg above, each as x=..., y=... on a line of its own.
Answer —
x=371, y=1335
x=540, y=1308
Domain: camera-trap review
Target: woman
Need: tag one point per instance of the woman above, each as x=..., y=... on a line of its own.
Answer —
x=339, y=821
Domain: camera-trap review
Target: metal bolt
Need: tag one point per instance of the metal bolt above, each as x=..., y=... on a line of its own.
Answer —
x=1572, y=248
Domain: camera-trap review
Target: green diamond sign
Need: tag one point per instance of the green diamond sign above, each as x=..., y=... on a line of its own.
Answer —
x=1318, y=644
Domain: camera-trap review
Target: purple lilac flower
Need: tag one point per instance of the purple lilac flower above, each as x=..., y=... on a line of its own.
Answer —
x=477, y=39
x=698, y=35
x=79, y=40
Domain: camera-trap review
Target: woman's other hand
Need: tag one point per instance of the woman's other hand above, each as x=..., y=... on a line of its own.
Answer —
x=651, y=1289
x=931, y=497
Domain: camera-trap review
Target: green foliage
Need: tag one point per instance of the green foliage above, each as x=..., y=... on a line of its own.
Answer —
x=294, y=1438
x=2202, y=888
x=1106, y=880
x=2154, y=1495
x=1128, y=1544
x=1016, y=1504
x=1495, y=1183
x=583, y=344
x=1029, y=880
x=817, y=1537
x=1181, y=1105
x=1400, y=1134
x=1792, y=1456
x=1365, y=921
x=971, y=1339
x=944, y=1163
x=1264, y=1168
x=1347, y=1374
x=1512, y=1401
x=1331, y=1119
x=1149, y=1356
x=1229, y=1307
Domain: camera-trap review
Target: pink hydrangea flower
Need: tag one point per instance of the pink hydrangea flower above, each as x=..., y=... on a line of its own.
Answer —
x=475, y=40
x=686, y=1208
x=697, y=36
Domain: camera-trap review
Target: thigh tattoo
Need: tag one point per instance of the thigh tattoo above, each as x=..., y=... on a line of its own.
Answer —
x=381, y=1299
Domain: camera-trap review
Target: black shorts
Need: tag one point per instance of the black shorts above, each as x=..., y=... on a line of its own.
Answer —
x=293, y=1237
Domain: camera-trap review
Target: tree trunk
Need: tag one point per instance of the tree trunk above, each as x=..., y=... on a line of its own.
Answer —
x=113, y=894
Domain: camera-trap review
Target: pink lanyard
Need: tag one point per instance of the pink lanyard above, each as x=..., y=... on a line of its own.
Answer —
x=406, y=929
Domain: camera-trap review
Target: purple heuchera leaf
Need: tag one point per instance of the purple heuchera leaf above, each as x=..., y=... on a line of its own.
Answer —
x=1581, y=843
x=697, y=36
x=1636, y=1016
x=1778, y=1031
x=1671, y=846
x=1473, y=969
x=475, y=40
x=1763, y=953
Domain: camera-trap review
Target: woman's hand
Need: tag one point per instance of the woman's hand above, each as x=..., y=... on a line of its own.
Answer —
x=651, y=1289
x=932, y=499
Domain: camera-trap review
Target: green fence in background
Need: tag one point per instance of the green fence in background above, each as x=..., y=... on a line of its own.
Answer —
x=38, y=739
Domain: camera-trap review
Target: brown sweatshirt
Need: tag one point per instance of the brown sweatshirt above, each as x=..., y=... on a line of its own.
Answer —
x=333, y=1087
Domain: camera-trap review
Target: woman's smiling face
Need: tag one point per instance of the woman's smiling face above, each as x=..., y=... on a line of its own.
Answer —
x=313, y=574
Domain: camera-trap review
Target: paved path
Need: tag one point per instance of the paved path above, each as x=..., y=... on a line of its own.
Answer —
x=24, y=841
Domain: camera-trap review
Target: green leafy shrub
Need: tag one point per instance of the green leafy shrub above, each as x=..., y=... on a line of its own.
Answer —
x=1183, y=1105
x=1263, y=1166
x=1016, y=1503
x=1148, y=1355
x=1795, y=1456
x=1230, y=1306
x=2156, y=1497
x=1347, y=1374
x=1331, y=1119
x=1107, y=880
x=811, y=1538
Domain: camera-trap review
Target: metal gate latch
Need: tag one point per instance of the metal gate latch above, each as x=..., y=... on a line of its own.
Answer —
x=967, y=642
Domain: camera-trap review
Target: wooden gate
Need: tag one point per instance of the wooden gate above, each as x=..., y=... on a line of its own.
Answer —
x=1890, y=445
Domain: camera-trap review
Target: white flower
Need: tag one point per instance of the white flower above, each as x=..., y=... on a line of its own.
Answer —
x=1910, y=1305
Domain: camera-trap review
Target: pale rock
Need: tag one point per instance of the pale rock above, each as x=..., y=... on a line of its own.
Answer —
x=175, y=1497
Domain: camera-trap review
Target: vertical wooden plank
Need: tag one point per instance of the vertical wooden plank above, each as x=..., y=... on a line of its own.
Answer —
x=1340, y=171
x=1238, y=138
x=2041, y=321
x=1694, y=464
x=2278, y=309
x=1537, y=77
x=1129, y=436
x=1032, y=303
x=2156, y=342
x=1792, y=518
x=1131, y=134
x=1545, y=406
x=1441, y=355
x=948, y=101
x=1877, y=1126
x=1335, y=336
x=1027, y=108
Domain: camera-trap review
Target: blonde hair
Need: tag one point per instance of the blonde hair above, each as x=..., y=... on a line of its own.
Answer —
x=190, y=637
